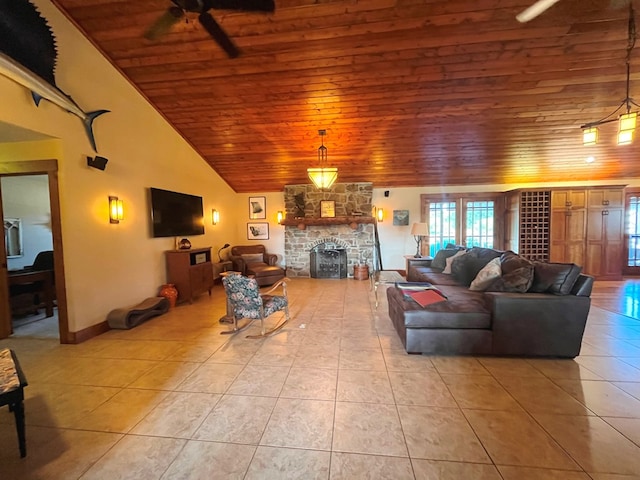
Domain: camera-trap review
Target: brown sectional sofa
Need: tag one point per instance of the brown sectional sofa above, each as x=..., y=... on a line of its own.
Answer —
x=546, y=320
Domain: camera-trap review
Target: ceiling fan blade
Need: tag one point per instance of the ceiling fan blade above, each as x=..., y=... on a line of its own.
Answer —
x=244, y=5
x=219, y=35
x=534, y=10
x=164, y=23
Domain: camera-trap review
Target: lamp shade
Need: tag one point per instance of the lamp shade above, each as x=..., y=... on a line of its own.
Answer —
x=323, y=178
x=420, y=229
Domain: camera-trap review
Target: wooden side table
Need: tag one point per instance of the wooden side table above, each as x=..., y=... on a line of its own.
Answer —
x=417, y=261
x=221, y=267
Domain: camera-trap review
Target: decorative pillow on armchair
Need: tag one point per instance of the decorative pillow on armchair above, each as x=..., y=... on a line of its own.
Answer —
x=252, y=258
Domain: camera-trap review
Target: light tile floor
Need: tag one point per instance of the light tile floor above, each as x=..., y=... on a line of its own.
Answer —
x=333, y=395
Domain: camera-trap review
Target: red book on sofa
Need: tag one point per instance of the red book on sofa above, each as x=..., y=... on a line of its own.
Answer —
x=427, y=297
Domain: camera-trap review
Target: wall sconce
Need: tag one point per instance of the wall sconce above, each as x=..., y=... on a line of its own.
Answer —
x=116, y=212
x=215, y=217
x=280, y=216
x=380, y=214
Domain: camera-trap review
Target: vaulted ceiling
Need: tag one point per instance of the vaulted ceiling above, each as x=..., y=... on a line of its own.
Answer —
x=410, y=92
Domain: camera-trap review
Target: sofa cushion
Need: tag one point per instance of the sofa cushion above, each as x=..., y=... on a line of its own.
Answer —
x=463, y=309
x=486, y=276
x=466, y=267
x=439, y=261
x=428, y=274
x=557, y=278
x=516, y=281
x=252, y=258
x=449, y=261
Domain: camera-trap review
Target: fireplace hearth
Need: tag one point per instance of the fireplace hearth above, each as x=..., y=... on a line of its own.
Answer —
x=328, y=260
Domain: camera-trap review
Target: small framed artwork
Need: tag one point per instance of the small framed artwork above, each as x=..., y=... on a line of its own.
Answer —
x=257, y=208
x=257, y=231
x=327, y=208
x=401, y=217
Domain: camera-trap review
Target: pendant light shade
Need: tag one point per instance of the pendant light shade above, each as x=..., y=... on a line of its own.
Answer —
x=323, y=177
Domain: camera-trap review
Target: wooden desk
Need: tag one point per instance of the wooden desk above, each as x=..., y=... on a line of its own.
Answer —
x=22, y=277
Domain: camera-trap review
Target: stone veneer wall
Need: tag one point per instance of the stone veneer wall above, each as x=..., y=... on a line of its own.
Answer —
x=349, y=198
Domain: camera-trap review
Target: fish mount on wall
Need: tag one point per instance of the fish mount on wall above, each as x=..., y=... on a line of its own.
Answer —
x=28, y=57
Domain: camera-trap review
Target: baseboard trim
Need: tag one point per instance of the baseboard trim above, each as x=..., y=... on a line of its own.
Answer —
x=89, y=332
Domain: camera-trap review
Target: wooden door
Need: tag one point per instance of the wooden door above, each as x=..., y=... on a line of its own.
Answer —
x=631, y=239
x=5, y=309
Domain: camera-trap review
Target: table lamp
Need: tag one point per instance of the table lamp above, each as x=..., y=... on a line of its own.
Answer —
x=419, y=230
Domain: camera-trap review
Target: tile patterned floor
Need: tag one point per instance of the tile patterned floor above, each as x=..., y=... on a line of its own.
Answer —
x=333, y=396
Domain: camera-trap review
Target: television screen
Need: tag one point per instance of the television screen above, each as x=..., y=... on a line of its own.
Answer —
x=176, y=214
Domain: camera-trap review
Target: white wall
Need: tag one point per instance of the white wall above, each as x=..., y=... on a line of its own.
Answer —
x=27, y=198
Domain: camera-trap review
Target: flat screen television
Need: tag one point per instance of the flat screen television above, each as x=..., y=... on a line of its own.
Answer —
x=175, y=214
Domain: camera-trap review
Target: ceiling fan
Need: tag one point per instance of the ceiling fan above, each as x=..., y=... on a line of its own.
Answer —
x=180, y=7
x=542, y=6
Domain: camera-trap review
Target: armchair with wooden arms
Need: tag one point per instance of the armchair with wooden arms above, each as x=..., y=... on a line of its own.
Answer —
x=253, y=260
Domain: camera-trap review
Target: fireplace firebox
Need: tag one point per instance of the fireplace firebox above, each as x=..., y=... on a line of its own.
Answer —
x=328, y=260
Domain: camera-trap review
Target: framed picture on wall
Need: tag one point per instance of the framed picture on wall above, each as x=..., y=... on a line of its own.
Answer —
x=257, y=231
x=327, y=209
x=257, y=208
x=401, y=217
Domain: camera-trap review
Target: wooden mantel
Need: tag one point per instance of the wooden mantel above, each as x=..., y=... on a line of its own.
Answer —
x=302, y=223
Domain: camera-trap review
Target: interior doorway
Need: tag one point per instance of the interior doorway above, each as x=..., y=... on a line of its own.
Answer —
x=48, y=168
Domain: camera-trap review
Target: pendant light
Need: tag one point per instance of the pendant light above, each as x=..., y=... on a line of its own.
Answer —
x=322, y=177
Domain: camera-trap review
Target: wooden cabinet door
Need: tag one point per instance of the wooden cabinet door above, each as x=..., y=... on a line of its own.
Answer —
x=606, y=197
x=573, y=199
x=605, y=243
x=567, y=236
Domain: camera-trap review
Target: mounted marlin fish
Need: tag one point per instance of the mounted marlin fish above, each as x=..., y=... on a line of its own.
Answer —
x=28, y=57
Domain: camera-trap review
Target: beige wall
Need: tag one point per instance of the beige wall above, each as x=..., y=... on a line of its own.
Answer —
x=109, y=266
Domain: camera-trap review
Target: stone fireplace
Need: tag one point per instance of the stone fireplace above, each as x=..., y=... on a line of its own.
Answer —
x=351, y=230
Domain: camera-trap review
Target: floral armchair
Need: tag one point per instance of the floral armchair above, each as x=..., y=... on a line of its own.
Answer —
x=245, y=301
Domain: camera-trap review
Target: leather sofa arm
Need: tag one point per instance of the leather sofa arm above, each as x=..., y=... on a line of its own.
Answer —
x=239, y=264
x=537, y=323
x=270, y=258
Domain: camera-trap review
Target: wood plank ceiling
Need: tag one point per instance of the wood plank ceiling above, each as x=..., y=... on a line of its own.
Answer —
x=410, y=92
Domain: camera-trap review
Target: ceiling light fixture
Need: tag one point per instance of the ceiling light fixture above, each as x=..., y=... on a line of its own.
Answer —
x=626, y=121
x=322, y=177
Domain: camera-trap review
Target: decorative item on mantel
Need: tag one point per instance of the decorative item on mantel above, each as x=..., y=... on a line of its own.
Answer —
x=168, y=291
x=299, y=199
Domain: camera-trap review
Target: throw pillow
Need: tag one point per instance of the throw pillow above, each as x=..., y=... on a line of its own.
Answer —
x=510, y=261
x=557, y=278
x=440, y=260
x=487, y=275
x=252, y=258
x=516, y=281
x=464, y=269
x=449, y=261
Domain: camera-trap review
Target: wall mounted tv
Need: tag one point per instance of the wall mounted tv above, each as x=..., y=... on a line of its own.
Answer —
x=175, y=214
